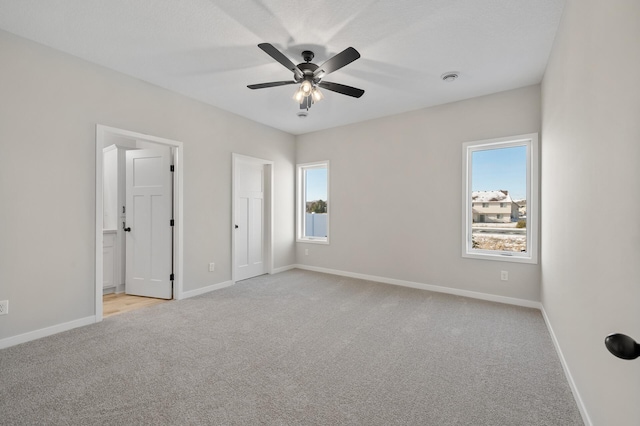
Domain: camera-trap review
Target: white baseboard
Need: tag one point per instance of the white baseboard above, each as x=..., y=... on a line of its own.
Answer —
x=440, y=289
x=284, y=268
x=576, y=395
x=207, y=289
x=44, y=332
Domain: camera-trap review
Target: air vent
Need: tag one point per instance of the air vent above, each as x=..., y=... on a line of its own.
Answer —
x=449, y=76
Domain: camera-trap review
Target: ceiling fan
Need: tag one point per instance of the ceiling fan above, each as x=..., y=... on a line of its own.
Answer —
x=310, y=75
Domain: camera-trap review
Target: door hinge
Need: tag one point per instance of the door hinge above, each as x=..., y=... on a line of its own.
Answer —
x=172, y=168
x=171, y=222
x=171, y=277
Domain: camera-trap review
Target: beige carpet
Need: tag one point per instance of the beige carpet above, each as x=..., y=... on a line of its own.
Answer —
x=295, y=348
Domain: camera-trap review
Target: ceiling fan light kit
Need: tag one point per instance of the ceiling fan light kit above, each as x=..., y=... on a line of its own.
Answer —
x=317, y=95
x=306, y=87
x=310, y=75
x=298, y=96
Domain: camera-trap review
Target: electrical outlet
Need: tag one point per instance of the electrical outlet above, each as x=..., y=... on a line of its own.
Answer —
x=4, y=307
x=306, y=252
x=212, y=267
x=504, y=275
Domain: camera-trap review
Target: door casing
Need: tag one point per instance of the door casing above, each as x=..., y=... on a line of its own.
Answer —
x=268, y=211
x=103, y=133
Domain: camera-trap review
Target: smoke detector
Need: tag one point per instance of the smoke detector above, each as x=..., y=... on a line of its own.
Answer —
x=450, y=76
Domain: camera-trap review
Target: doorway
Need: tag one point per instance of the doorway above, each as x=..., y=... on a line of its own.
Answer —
x=252, y=217
x=155, y=156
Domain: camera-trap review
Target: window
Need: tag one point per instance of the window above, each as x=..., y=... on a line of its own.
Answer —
x=503, y=171
x=313, y=202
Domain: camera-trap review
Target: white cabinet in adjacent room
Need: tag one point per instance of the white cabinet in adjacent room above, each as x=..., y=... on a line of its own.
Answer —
x=109, y=252
x=113, y=202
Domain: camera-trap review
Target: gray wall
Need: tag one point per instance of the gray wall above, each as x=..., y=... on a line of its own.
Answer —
x=590, y=159
x=50, y=104
x=405, y=173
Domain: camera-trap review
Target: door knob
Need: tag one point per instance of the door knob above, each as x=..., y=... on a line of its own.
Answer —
x=236, y=226
x=126, y=229
x=622, y=346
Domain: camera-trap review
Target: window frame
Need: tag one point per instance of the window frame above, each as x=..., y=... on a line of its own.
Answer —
x=529, y=140
x=301, y=201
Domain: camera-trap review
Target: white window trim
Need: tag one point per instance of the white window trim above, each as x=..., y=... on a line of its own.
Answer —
x=300, y=202
x=531, y=142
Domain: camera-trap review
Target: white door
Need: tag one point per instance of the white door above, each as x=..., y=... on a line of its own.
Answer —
x=249, y=220
x=149, y=231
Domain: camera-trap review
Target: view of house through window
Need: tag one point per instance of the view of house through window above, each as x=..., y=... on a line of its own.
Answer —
x=500, y=175
x=498, y=199
x=313, y=205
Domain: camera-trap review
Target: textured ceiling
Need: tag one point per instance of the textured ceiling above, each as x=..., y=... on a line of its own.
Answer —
x=207, y=49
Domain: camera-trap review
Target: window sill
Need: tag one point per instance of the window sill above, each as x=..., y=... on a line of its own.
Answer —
x=501, y=257
x=313, y=240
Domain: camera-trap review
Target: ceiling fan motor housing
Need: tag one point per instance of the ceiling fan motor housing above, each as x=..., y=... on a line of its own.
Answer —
x=307, y=69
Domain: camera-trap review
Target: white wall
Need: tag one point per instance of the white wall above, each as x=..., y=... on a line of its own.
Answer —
x=590, y=164
x=405, y=172
x=50, y=104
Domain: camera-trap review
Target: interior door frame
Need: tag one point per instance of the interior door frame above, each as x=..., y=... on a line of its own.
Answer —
x=102, y=133
x=268, y=210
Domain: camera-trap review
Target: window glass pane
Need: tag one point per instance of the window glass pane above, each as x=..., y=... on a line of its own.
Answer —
x=499, y=199
x=315, y=202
